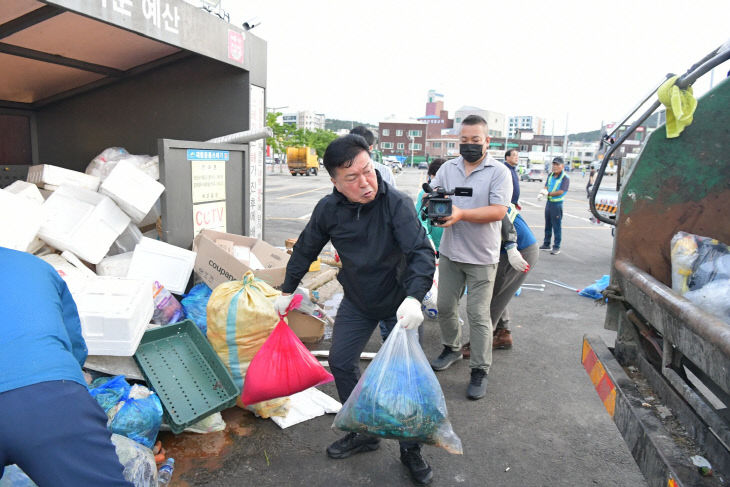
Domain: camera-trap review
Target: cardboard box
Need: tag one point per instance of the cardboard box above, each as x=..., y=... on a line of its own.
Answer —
x=214, y=265
x=308, y=328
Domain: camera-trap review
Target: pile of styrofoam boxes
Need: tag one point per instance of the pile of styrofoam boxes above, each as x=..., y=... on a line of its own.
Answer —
x=86, y=227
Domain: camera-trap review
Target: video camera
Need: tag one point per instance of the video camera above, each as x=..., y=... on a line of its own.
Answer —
x=436, y=204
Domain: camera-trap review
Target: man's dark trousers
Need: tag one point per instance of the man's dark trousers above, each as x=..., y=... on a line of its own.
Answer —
x=56, y=432
x=350, y=335
x=553, y=222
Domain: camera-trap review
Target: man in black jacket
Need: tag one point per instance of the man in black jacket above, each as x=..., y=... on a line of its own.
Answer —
x=387, y=269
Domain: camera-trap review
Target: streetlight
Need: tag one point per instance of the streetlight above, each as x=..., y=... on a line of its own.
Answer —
x=412, y=139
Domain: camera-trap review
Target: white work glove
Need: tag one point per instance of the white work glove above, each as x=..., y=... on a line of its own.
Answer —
x=409, y=314
x=516, y=260
x=282, y=303
x=542, y=194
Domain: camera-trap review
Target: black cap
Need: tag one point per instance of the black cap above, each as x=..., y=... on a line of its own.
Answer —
x=558, y=160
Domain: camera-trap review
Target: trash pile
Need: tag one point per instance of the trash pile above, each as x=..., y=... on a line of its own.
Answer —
x=138, y=296
x=701, y=272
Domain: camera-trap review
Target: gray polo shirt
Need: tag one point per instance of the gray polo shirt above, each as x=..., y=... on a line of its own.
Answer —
x=491, y=183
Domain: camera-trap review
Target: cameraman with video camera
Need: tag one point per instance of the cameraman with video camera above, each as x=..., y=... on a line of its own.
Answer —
x=469, y=251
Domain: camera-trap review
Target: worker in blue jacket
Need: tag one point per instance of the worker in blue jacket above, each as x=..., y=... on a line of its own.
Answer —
x=555, y=188
x=50, y=426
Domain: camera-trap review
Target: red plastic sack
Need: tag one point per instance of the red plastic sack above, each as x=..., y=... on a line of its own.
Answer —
x=282, y=367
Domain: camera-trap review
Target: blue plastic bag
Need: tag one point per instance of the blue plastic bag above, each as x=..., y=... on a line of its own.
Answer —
x=133, y=411
x=110, y=391
x=15, y=477
x=399, y=397
x=139, y=418
x=195, y=303
x=594, y=290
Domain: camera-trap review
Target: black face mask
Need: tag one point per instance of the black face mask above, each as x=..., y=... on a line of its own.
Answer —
x=471, y=152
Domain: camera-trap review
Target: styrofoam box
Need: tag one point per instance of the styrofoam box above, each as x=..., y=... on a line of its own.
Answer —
x=115, y=265
x=74, y=277
x=20, y=221
x=114, y=314
x=159, y=261
x=26, y=190
x=133, y=190
x=46, y=174
x=82, y=221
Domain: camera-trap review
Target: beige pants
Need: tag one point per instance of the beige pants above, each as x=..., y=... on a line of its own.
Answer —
x=479, y=280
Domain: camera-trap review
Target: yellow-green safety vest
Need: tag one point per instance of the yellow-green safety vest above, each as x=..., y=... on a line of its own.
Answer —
x=554, y=185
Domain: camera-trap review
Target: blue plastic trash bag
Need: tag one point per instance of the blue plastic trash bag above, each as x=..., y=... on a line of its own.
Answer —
x=195, y=302
x=594, y=290
x=110, y=392
x=138, y=417
x=399, y=397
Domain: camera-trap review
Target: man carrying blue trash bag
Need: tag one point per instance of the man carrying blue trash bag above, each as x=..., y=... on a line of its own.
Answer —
x=387, y=269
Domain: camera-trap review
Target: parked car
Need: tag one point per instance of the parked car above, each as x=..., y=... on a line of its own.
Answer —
x=533, y=175
x=395, y=166
x=423, y=165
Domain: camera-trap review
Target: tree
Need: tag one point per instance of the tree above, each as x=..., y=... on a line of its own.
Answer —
x=319, y=139
x=289, y=136
x=281, y=133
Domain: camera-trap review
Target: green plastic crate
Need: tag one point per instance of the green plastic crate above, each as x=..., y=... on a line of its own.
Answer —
x=181, y=366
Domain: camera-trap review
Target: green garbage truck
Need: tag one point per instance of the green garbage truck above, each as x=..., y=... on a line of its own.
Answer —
x=666, y=379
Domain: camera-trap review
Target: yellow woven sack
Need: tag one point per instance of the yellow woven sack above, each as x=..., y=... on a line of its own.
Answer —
x=241, y=317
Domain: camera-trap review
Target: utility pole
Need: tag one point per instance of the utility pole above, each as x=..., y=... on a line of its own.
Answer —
x=552, y=139
x=565, y=143
x=506, y=133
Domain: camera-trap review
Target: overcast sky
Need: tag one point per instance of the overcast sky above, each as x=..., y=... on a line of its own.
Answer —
x=590, y=60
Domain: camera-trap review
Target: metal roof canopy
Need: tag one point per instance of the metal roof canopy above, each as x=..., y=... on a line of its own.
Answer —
x=77, y=76
x=53, y=50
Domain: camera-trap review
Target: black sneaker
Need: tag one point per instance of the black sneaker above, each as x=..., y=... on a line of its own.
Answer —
x=477, y=385
x=555, y=251
x=351, y=444
x=544, y=247
x=447, y=357
x=421, y=472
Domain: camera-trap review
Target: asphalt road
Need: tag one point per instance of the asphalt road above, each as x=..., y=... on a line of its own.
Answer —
x=541, y=424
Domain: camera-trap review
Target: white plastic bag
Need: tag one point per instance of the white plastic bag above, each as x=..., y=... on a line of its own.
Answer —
x=428, y=305
x=103, y=164
x=138, y=461
x=713, y=297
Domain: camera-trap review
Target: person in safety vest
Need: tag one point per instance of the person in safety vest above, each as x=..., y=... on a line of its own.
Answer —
x=555, y=188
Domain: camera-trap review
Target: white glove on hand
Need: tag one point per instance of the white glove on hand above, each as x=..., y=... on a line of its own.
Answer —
x=409, y=314
x=542, y=194
x=516, y=260
x=282, y=303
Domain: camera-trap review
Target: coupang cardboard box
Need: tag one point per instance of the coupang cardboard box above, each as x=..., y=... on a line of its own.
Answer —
x=223, y=257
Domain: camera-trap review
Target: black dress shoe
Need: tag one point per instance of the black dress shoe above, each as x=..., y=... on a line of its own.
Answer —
x=421, y=472
x=351, y=444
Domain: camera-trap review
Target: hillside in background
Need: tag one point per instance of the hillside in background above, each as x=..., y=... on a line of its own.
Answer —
x=592, y=136
x=334, y=124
